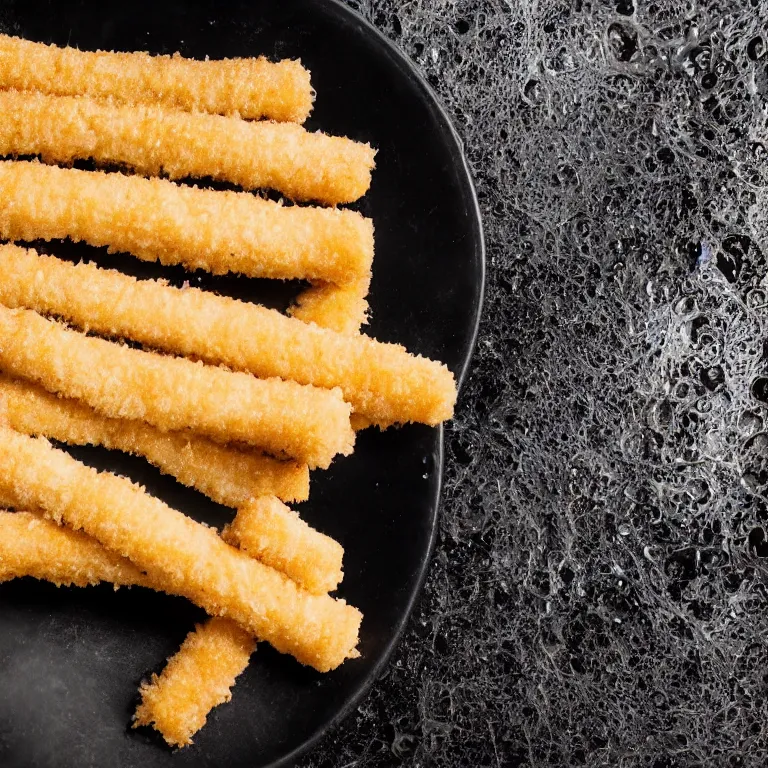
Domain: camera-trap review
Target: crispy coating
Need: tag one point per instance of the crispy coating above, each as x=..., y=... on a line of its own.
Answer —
x=250, y=88
x=203, y=671
x=271, y=532
x=197, y=678
x=157, y=220
x=381, y=381
x=159, y=141
x=179, y=555
x=172, y=393
x=341, y=308
x=225, y=474
x=32, y=546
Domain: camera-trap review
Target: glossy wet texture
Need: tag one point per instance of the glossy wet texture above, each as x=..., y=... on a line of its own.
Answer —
x=598, y=592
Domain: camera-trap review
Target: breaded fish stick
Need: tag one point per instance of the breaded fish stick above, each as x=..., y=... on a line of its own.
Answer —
x=200, y=675
x=381, y=381
x=159, y=141
x=172, y=393
x=197, y=678
x=179, y=555
x=157, y=220
x=250, y=88
x=341, y=308
x=32, y=546
x=225, y=474
x=271, y=532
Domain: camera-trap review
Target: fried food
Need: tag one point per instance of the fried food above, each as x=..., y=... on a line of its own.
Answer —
x=197, y=678
x=158, y=141
x=171, y=393
x=339, y=308
x=200, y=675
x=225, y=474
x=271, y=532
x=157, y=220
x=179, y=555
x=32, y=546
x=250, y=88
x=381, y=381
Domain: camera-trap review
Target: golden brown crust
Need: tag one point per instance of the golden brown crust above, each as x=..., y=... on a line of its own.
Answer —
x=158, y=141
x=271, y=532
x=251, y=88
x=340, y=308
x=197, y=678
x=380, y=380
x=157, y=220
x=171, y=393
x=32, y=546
x=179, y=555
x=225, y=474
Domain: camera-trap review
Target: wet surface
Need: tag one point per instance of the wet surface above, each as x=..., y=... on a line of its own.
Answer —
x=598, y=595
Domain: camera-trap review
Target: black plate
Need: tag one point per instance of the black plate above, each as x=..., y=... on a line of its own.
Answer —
x=71, y=659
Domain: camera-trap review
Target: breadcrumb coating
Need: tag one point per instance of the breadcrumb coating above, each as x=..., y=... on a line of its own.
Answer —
x=268, y=530
x=200, y=675
x=172, y=393
x=179, y=555
x=251, y=88
x=157, y=220
x=225, y=474
x=33, y=546
x=158, y=141
x=341, y=308
x=197, y=678
x=381, y=381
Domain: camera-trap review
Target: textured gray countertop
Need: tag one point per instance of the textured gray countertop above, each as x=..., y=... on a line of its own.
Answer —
x=598, y=594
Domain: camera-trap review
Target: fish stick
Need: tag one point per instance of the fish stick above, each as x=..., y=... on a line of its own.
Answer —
x=381, y=381
x=157, y=220
x=33, y=546
x=200, y=675
x=179, y=555
x=159, y=141
x=171, y=393
x=251, y=88
x=339, y=308
x=197, y=678
x=271, y=532
x=225, y=474
x=277, y=537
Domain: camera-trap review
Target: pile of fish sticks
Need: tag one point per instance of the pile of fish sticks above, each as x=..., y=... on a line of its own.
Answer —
x=233, y=399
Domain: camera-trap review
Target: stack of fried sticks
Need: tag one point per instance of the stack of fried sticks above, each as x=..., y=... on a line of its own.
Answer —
x=233, y=399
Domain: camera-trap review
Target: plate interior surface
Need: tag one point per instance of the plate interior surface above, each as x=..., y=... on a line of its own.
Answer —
x=71, y=660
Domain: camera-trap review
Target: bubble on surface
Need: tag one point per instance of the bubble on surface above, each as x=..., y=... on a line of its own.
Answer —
x=599, y=593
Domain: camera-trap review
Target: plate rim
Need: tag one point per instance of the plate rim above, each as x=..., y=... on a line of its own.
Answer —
x=289, y=759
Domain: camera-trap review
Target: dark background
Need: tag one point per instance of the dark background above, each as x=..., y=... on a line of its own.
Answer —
x=598, y=593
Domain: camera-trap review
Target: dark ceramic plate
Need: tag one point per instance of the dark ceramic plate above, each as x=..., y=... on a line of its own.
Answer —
x=71, y=659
